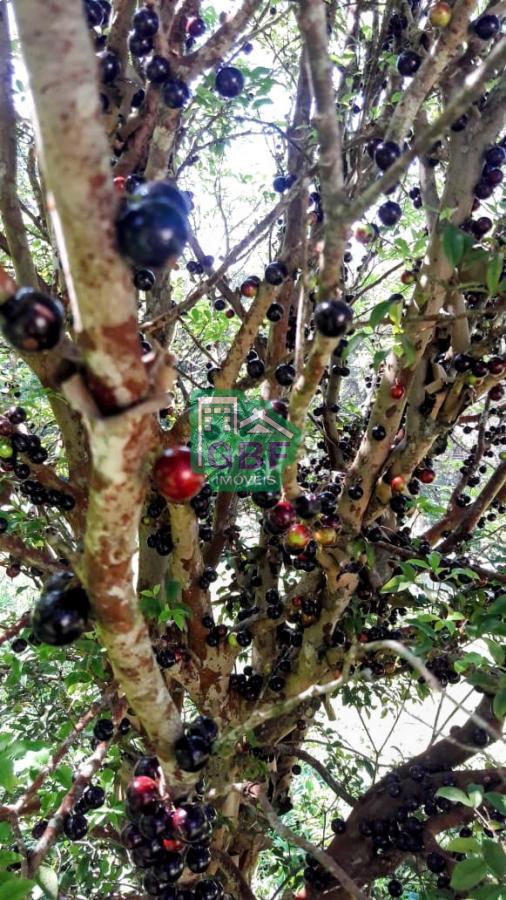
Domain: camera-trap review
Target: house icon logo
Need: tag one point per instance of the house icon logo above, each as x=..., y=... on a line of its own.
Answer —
x=239, y=443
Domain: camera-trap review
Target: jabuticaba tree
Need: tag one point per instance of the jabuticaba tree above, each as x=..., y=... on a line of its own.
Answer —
x=165, y=674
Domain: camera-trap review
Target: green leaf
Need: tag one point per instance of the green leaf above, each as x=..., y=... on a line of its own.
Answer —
x=47, y=879
x=499, y=705
x=475, y=794
x=495, y=857
x=455, y=794
x=7, y=777
x=15, y=889
x=497, y=652
x=494, y=270
x=463, y=845
x=63, y=775
x=380, y=311
x=468, y=873
x=454, y=244
x=9, y=856
x=489, y=892
x=498, y=801
x=396, y=583
x=173, y=591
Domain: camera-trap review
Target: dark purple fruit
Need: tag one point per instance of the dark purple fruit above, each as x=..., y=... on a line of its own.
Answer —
x=61, y=612
x=144, y=279
x=198, y=859
x=229, y=82
x=19, y=645
x=386, y=154
x=275, y=312
x=94, y=796
x=75, y=826
x=486, y=27
x=191, y=752
x=408, y=62
x=378, y=432
x=171, y=867
x=146, y=21
x=307, y=505
x=284, y=375
x=157, y=69
x=279, y=184
x=150, y=231
x=103, y=730
x=275, y=273
x=31, y=321
x=208, y=889
x=389, y=213
x=332, y=317
x=495, y=156
x=176, y=93
x=109, y=67
x=395, y=888
x=255, y=368
x=436, y=862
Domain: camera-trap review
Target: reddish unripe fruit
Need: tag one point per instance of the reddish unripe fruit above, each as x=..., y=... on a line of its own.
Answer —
x=397, y=391
x=141, y=792
x=427, y=476
x=281, y=516
x=179, y=817
x=297, y=601
x=363, y=638
x=298, y=537
x=364, y=234
x=398, y=484
x=495, y=365
x=440, y=14
x=230, y=313
x=6, y=428
x=119, y=184
x=249, y=288
x=174, y=476
x=325, y=535
x=172, y=845
x=408, y=277
x=497, y=392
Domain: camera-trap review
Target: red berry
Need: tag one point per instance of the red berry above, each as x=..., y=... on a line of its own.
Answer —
x=398, y=483
x=298, y=537
x=397, y=391
x=427, y=475
x=119, y=184
x=174, y=476
x=141, y=792
x=281, y=516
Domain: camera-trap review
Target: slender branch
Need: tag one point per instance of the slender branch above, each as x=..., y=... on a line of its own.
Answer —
x=15, y=230
x=54, y=828
x=313, y=25
x=13, y=630
x=84, y=205
x=245, y=891
x=326, y=861
x=295, y=750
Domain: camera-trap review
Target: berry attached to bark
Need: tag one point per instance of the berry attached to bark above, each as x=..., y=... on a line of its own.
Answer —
x=408, y=62
x=174, y=476
x=61, y=613
x=332, y=318
x=31, y=321
x=192, y=752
